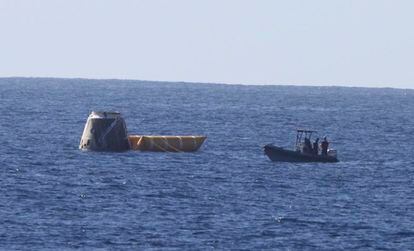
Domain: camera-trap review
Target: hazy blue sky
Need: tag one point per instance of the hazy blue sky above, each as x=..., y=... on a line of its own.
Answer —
x=331, y=42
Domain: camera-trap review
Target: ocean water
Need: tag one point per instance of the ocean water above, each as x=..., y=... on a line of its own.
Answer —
x=228, y=195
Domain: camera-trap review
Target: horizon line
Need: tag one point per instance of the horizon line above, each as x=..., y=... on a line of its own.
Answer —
x=209, y=83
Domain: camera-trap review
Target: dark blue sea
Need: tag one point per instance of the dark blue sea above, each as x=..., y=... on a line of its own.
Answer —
x=228, y=195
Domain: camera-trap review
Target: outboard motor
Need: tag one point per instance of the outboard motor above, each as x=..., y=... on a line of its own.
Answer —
x=105, y=131
x=333, y=153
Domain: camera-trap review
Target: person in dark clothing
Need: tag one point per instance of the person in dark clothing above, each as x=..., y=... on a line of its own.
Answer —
x=316, y=146
x=324, y=146
x=308, y=146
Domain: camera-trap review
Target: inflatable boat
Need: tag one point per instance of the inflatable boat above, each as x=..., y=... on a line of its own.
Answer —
x=276, y=153
x=303, y=151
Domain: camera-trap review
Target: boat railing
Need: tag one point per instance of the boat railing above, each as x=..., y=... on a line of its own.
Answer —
x=299, y=147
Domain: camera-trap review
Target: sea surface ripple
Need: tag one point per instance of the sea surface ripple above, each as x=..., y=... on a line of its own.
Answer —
x=226, y=196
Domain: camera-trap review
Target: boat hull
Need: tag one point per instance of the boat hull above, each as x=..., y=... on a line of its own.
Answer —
x=282, y=155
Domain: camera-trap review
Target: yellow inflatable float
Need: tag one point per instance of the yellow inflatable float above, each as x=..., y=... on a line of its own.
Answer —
x=166, y=143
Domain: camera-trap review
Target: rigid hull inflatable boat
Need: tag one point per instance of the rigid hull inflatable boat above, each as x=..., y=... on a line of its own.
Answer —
x=301, y=153
x=106, y=131
x=276, y=153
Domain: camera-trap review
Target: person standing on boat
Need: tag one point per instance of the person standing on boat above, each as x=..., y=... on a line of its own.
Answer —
x=324, y=146
x=316, y=146
x=308, y=146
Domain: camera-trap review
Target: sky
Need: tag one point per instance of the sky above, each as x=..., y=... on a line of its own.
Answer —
x=320, y=42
